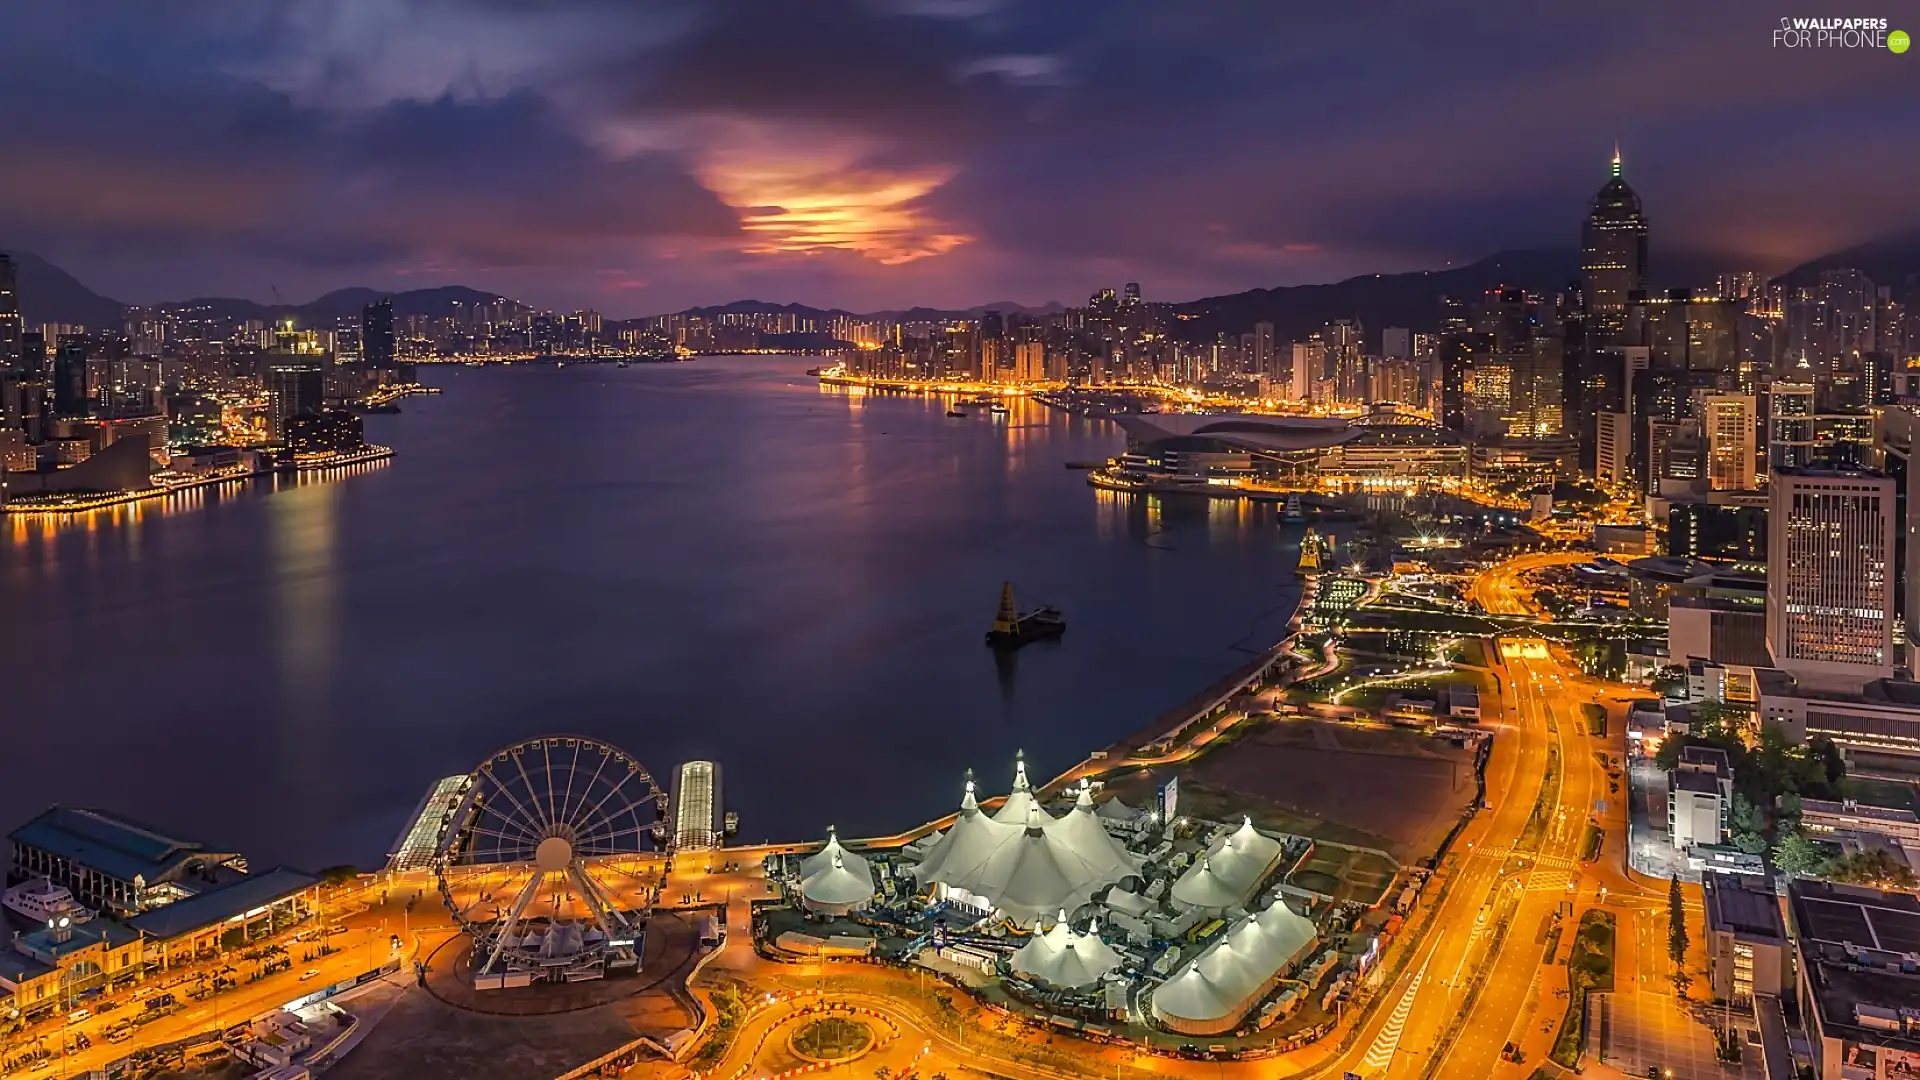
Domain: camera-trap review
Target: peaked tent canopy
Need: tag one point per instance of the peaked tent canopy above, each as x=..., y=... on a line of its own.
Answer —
x=1030, y=865
x=1066, y=959
x=834, y=880
x=1231, y=872
x=1217, y=988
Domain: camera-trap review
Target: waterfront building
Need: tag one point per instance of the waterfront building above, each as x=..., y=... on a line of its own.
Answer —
x=697, y=822
x=1198, y=450
x=330, y=431
x=295, y=386
x=235, y=912
x=1415, y=453
x=116, y=865
x=47, y=971
x=1830, y=575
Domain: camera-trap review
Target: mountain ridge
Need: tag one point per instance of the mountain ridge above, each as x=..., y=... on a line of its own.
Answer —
x=48, y=294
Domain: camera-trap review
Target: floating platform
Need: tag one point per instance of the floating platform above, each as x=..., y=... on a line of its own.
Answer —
x=1012, y=630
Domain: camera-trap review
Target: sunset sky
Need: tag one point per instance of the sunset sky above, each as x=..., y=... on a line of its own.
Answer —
x=642, y=156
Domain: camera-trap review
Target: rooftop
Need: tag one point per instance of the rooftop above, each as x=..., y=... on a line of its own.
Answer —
x=18, y=967
x=80, y=936
x=1852, y=809
x=1705, y=759
x=218, y=905
x=1861, y=950
x=1702, y=782
x=1744, y=905
x=108, y=843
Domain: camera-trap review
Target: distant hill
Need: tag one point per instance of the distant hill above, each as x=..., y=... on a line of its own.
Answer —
x=49, y=294
x=441, y=301
x=1889, y=260
x=1412, y=300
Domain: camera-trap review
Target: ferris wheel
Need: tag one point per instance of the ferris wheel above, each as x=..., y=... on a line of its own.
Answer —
x=546, y=861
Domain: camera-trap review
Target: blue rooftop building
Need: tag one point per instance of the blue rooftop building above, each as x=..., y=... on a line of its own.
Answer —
x=117, y=865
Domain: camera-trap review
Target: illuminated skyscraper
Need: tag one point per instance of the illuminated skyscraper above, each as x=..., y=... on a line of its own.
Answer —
x=1732, y=425
x=1830, y=575
x=294, y=386
x=1613, y=255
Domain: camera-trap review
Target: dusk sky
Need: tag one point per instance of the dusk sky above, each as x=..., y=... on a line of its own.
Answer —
x=639, y=157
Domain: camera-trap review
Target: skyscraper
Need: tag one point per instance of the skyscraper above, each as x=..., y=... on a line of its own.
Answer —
x=294, y=387
x=1830, y=576
x=1613, y=255
x=70, y=377
x=376, y=335
x=1732, y=425
x=10, y=327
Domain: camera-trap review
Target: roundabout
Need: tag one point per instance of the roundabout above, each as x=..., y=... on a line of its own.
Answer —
x=830, y=1040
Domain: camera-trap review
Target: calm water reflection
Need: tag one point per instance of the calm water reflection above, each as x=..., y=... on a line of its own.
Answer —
x=717, y=559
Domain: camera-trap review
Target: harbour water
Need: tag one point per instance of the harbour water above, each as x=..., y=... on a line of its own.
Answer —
x=715, y=559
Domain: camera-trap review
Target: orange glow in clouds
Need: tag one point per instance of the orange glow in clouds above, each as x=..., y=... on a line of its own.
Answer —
x=822, y=199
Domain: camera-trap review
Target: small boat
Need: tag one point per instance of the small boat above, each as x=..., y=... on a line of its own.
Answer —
x=620, y=363
x=1012, y=630
x=42, y=900
x=956, y=412
x=1294, y=511
x=997, y=409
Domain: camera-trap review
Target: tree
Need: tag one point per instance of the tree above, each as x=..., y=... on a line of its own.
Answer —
x=1788, y=816
x=1677, y=934
x=1876, y=866
x=1795, y=854
x=1668, y=757
x=1749, y=826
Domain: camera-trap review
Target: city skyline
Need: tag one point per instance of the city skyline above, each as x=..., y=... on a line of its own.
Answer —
x=881, y=156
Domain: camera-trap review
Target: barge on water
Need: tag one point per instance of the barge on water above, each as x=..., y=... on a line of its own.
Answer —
x=1012, y=630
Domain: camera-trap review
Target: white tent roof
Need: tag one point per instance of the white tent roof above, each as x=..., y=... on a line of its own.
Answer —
x=1064, y=958
x=1020, y=804
x=1231, y=870
x=1080, y=830
x=1130, y=902
x=836, y=877
x=820, y=860
x=1115, y=809
x=1031, y=866
x=966, y=847
x=1224, y=980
